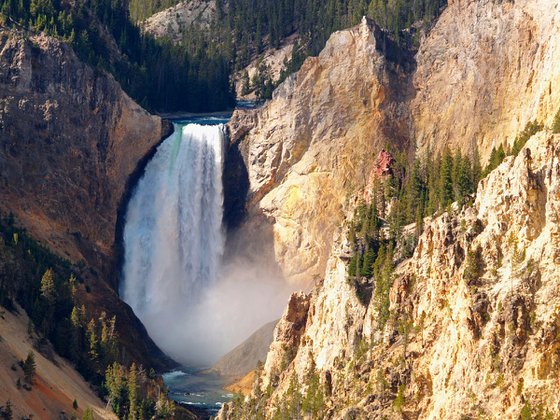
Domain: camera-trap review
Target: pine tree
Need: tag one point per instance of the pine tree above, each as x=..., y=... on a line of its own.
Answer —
x=446, y=179
x=132, y=387
x=474, y=266
x=367, y=263
x=476, y=168
x=314, y=400
x=352, y=271
x=47, y=286
x=88, y=414
x=245, y=84
x=556, y=123
x=294, y=399
x=463, y=182
x=93, y=341
x=116, y=388
x=416, y=190
x=7, y=411
x=29, y=368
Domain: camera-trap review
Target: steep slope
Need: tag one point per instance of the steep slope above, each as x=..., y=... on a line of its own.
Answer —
x=244, y=358
x=486, y=69
x=483, y=72
x=457, y=344
x=70, y=144
x=473, y=315
x=70, y=141
x=56, y=383
x=305, y=151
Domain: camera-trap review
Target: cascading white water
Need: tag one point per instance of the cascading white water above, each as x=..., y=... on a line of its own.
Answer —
x=173, y=236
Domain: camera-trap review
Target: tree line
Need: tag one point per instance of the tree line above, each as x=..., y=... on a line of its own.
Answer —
x=406, y=195
x=497, y=155
x=242, y=29
x=159, y=75
x=259, y=23
x=196, y=74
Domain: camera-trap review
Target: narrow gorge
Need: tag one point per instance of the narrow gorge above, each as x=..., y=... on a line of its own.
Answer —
x=376, y=236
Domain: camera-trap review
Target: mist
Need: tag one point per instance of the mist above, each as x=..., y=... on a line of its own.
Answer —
x=244, y=298
x=195, y=302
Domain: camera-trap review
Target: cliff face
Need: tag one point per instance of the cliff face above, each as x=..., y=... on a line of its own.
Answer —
x=455, y=345
x=312, y=145
x=70, y=139
x=482, y=73
x=485, y=70
x=175, y=22
x=473, y=325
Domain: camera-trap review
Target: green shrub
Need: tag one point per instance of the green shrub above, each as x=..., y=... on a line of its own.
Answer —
x=474, y=267
x=532, y=128
x=399, y=402
x=556, y=123
x=526, y=412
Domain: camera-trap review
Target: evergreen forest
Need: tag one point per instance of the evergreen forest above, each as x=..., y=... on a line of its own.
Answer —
x=196, y=73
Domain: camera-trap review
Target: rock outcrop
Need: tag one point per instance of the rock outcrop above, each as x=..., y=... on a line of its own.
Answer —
x=485, y=70
x=473, y=315
x=274, y=60
x=175, y=21
x=456, y=345
x=305, y=151
x=70, y=144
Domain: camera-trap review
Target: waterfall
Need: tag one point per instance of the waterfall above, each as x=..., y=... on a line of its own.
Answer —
x=173, y=236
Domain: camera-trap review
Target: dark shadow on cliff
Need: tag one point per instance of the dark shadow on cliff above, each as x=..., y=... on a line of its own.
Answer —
x=116, y=274
x=401, y=55
x=236, y=186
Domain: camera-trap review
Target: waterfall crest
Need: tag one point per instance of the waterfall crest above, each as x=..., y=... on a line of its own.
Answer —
x=173, y=236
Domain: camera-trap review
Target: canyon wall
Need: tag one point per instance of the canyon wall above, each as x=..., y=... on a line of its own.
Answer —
x=70, y=144
x=484, y=71
x=305, y=152
x=456, y=345
x=70, y=138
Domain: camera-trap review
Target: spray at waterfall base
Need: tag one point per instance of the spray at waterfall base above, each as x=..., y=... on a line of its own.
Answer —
x=195, y=305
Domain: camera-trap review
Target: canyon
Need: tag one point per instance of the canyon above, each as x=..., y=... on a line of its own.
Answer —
x=451, y=347
x=73, y=145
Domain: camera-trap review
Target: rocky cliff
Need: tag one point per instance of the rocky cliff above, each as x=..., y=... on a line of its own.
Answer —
x=473, y=315
x=485, y=70
x=456, y=345
x=175, y=21
x=481, y=74
x=308, y=149
x=70, y=144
